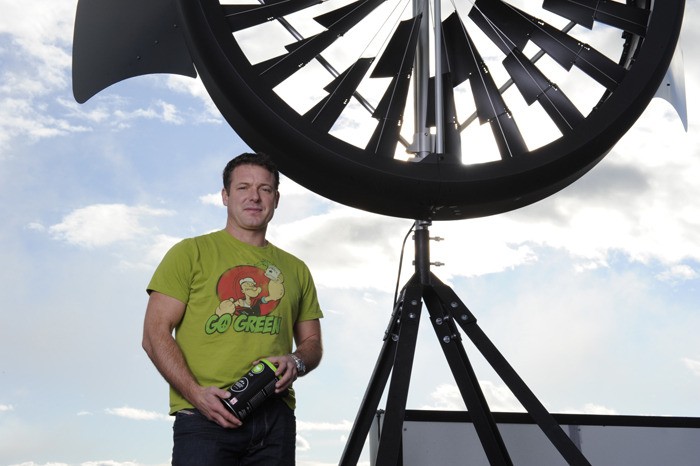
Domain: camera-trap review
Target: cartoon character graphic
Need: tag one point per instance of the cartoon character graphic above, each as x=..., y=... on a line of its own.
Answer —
x=250, y=290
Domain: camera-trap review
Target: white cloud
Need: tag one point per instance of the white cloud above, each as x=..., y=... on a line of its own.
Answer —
x=170, y=113
x=110, y=463
x=35, y=47
x=446, y=397
x=499, y=398
x=22, y=117
x=5, y=408
x=158, y=110
x=480, y=246
x=159, y=247
x=42, y=30
x=104, y=224
x=342, y=241
x=120, y=113
x=147, y=252
x=302, y=444
x=211, y=199
x=678, y=273
x=137, y=414
x=693, y=365
x=31, y=463
x=591, y=408
x=305, y=426
x=195, y=88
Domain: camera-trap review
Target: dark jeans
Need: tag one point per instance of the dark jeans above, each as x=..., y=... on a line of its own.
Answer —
x=266, y=438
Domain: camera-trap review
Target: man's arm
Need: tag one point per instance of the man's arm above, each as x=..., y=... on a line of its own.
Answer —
x=307, y=335
x=309, y=348
x=163, y=313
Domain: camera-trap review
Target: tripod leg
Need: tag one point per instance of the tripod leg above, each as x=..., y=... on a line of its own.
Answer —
x=522, y=392
x=466, y=379
x=467, y=382
x=392, y=428
x=378, y=380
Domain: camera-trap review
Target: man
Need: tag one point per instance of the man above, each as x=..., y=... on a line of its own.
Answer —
x=196, y=291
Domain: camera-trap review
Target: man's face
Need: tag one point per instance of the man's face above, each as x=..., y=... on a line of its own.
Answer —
x=252, y=199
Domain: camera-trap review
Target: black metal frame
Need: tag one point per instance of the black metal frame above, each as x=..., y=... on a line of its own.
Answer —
x=447, y=313
x=168, y=36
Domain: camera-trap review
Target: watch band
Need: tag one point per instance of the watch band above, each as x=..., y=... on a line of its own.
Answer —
x=301, y=367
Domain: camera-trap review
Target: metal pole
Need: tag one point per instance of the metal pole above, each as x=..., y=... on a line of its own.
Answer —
x=439, y=105
x=422, y=254
x=421, y=145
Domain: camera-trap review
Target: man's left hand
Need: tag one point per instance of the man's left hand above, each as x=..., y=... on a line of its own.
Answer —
x=286, y=371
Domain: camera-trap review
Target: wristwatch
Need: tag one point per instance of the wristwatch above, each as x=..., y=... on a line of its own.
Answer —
x=301, y=367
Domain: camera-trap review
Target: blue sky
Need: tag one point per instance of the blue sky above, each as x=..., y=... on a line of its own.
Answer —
x=591, y=294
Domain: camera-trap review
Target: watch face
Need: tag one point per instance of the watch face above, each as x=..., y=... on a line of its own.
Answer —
x=301, y=367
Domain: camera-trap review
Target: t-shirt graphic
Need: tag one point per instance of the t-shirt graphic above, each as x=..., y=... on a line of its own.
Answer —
x=247, y=295
x=250, y=290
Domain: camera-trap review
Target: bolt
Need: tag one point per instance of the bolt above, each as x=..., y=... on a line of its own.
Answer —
x=446, y=339
x=438, y=321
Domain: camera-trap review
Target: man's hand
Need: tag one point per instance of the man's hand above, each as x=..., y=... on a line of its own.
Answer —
x=208, y=401
x=163, y=313
x=286, y=371
x=307, y=335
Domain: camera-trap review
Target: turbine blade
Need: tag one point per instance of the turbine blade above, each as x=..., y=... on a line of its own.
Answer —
x=534, y=86
x=352, y=13
x=300, y=53
x=396, y=62
x=245, y=16
x=325, y=113
x=626, y=17
x=115, y=40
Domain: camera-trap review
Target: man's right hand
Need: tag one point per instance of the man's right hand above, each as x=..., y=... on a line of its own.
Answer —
x=163, y=314
x=208, y=402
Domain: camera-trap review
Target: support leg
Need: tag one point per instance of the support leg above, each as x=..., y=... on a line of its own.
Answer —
x=467, y=382
x=549, y=426
x=375, y=388
x=392, y=429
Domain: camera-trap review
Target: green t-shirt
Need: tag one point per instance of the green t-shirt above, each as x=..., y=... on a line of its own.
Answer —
x=242, y=302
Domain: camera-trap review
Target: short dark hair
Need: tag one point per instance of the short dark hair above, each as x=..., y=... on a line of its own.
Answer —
x=251, y=158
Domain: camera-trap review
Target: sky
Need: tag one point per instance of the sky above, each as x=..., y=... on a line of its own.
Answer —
x=591, y=294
